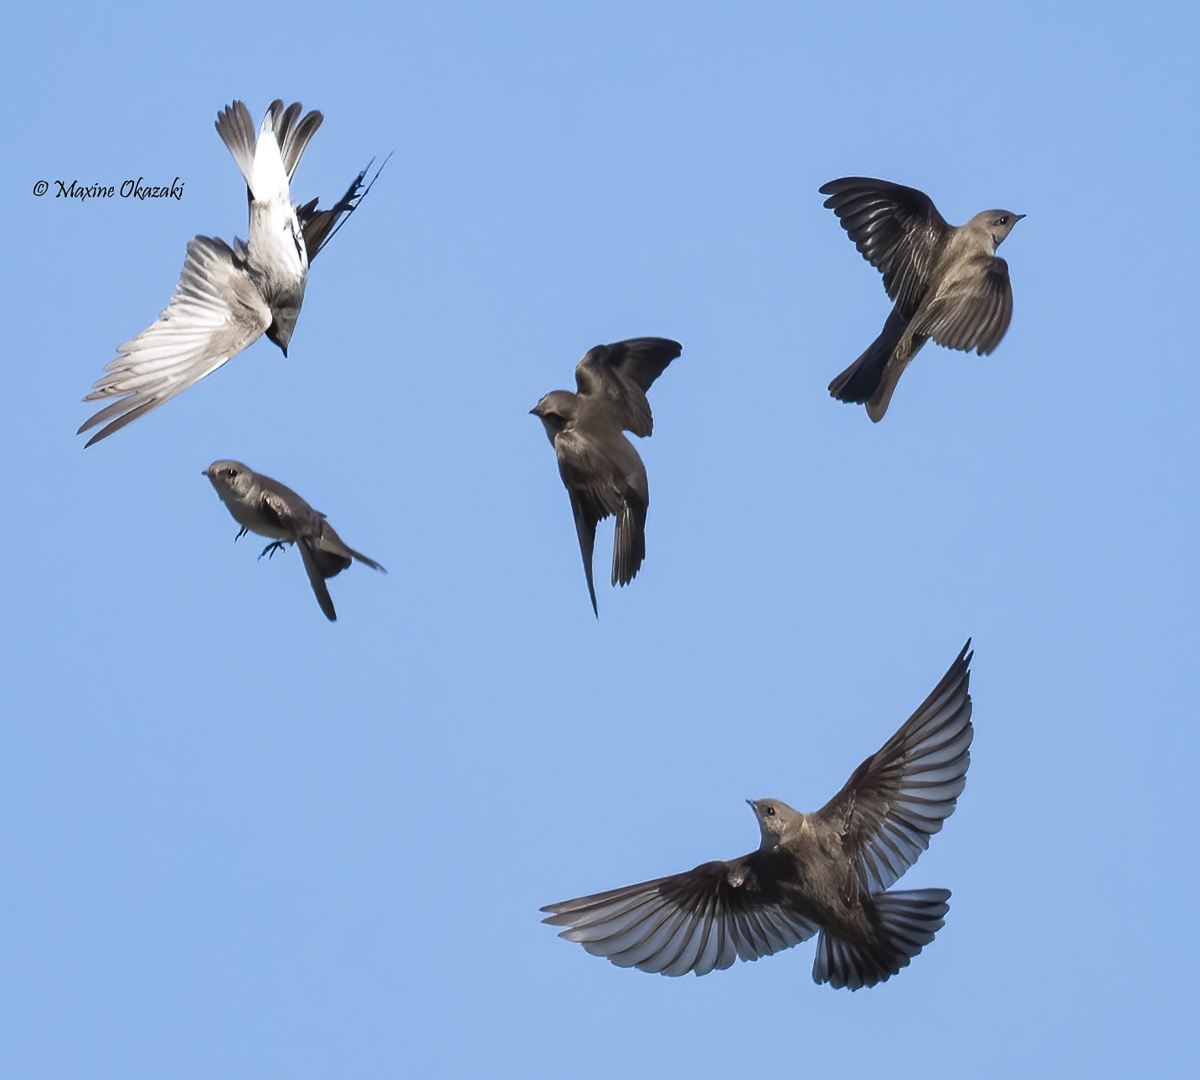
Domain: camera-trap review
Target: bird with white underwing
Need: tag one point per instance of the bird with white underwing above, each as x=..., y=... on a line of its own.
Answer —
x=228, y=297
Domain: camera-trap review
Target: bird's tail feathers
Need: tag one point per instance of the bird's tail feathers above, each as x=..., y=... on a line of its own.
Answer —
x=907, y=923
x=269, y=181
x=877, y=404
x=337, y=553
x=291, y=136
x=368, y=562
x=629, y=542
x=861, y=379
x=238, y=134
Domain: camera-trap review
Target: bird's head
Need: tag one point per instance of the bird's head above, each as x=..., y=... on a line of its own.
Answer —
x=999, y=223
x=283, y=322
x=231, y=479
x=775, y=820
x=555, y=411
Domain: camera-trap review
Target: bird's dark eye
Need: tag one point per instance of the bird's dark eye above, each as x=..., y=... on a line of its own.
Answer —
x=1003, y=220
x=770, y=811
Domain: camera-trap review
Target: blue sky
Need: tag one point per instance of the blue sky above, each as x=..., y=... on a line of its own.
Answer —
x=240, y=841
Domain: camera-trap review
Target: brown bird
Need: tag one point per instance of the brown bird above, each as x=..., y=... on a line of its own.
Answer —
x=823, y=873
x=946, y=280
x=600, y=468
x=269, y=508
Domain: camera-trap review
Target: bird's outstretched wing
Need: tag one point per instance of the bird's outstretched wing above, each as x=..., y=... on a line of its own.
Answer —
x=623, y=372
x=897, y=229
x=215, y=313
x=320, y=226
x=972, y=312
x=699, y=920
x=900, y=796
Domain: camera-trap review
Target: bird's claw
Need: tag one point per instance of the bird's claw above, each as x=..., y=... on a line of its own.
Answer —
x=274, y=546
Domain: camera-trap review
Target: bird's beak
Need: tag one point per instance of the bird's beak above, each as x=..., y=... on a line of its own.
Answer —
x=752, y=804
x=533, y=411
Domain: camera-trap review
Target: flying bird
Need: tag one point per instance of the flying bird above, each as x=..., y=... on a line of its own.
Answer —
x=946, y=281
x=265, y=506
x=228, y=297
x=600, y=468
x=826, y=873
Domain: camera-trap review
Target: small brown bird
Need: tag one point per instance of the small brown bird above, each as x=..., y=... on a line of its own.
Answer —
x=265, y=506
x=600, y=468
x=826, y=872
x=946, y=280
